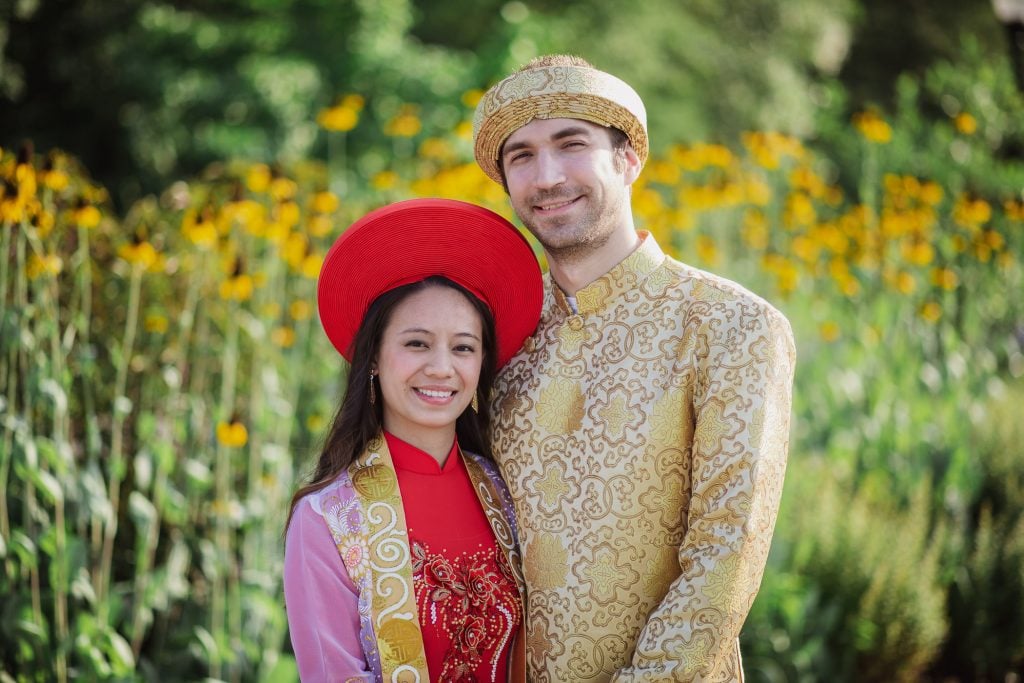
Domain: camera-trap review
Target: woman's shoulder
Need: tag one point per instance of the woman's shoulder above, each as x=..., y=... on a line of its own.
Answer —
x=324, y=502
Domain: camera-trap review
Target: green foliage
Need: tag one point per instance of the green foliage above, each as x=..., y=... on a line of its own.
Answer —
x=861, y=599
x=987, y=574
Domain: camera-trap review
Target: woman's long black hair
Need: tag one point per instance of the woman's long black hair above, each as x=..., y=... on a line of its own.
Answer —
x=358, y=421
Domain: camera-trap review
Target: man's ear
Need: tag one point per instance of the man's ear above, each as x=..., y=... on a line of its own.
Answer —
x=632, y=165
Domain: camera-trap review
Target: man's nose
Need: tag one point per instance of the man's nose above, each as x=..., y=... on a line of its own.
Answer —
x=550, y=171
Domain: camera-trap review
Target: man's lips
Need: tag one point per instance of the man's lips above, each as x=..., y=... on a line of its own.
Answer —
x=548, y=207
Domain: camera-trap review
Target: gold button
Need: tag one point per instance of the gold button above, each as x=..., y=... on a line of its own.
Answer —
x=576, y=323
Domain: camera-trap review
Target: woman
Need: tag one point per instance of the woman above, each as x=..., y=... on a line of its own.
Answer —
x=400, y=559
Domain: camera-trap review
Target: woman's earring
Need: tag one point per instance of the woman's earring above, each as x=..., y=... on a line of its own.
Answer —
x=373, y=393
x=474, y=404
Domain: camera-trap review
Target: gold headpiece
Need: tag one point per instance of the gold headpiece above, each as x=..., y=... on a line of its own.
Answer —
x=555, y=92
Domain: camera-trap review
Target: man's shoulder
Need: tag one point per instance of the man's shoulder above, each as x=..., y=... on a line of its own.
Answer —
x=702, y=287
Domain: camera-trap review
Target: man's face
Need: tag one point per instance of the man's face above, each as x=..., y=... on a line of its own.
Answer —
x=568, y=185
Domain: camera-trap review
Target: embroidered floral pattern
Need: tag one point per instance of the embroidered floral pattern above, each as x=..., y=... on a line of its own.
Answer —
x=473, y=601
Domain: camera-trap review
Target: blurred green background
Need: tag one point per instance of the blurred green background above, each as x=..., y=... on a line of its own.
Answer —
x=171, y=175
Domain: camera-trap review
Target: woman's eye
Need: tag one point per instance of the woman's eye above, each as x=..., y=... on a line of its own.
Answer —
x=416, y=344
x=465, y=348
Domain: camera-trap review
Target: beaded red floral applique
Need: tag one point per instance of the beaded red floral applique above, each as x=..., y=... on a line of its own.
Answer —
x=473, y=601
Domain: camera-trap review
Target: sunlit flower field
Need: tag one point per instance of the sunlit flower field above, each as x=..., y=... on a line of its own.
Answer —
x=164, y=385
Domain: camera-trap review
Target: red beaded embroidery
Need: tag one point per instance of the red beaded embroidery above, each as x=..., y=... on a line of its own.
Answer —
x=472, y=600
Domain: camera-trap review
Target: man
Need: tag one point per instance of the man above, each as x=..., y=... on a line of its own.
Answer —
x=643, y=429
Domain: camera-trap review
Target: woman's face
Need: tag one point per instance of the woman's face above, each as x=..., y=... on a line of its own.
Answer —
x=429, y=363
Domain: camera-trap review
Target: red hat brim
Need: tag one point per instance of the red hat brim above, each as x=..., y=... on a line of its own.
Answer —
x=412, y=240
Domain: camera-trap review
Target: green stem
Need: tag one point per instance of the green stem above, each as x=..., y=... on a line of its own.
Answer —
x=29, y=506
x=222, y=488
x=117, y=463
x=93, y=441
x=11, y=381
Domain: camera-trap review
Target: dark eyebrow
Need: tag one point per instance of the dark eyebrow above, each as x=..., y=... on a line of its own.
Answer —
x=420, y=330
x=566, y=132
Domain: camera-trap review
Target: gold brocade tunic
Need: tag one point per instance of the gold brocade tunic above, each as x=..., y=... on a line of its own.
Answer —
x=644, y=442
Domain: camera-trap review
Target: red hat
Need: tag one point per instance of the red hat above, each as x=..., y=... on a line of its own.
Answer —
x=409, y=241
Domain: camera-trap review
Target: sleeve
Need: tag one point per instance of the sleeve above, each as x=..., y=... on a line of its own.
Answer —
x=321, y=602
x=741, y=418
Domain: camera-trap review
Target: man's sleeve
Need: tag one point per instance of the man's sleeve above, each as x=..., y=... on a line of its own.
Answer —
x=742, y=405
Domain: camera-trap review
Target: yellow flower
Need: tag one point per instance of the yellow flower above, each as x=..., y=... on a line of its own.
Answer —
x=232, y=434
x=873, y=127
x=971, y=212
x=849, y=286
x=931, y=312
x=286, y=213
x=85, y=215
x=436, y=148
x=139, y=253
x=247, y=213
x=258, y=178
x=905, y=282
x=994, y=240
x=295, y=248
x=282, y=188
x=156, y=322
x=755, y=229
x=464, y=130
x=344, y=115
x=1014, y=209
x=311, y=265
x=917, y=252
x=318, y=225
x=53, y=178
x=48, y=264
x=472, y=97
x=199, y=227
x=945, y=278
x=270, y=310
x=237, y=288
x=404, y=125
x=931, y=193
x=384, y=180
x=707, y=250
x=239, y=284
x=283, y=337
x=315, y=422
x=300, y=310
x=799, y=210
x=965, y=123
x=324, y=202
x=829, y=331
x=338, y=118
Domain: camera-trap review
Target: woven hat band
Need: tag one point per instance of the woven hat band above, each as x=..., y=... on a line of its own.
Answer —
x=552, y=92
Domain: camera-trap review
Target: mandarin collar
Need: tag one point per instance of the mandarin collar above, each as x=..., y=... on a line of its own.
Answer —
x=407, y=457
x=624, y=276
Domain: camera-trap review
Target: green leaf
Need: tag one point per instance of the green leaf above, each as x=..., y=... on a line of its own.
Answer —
x=285, y=671
x=207, y=645
x=48, y=486
x=24, y=548
x=119, y=652
x=51, y=388
x=122, y=406
x=141, y=510
x=143, y=469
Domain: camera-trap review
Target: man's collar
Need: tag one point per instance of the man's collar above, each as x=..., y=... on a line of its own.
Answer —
x=626, y=275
